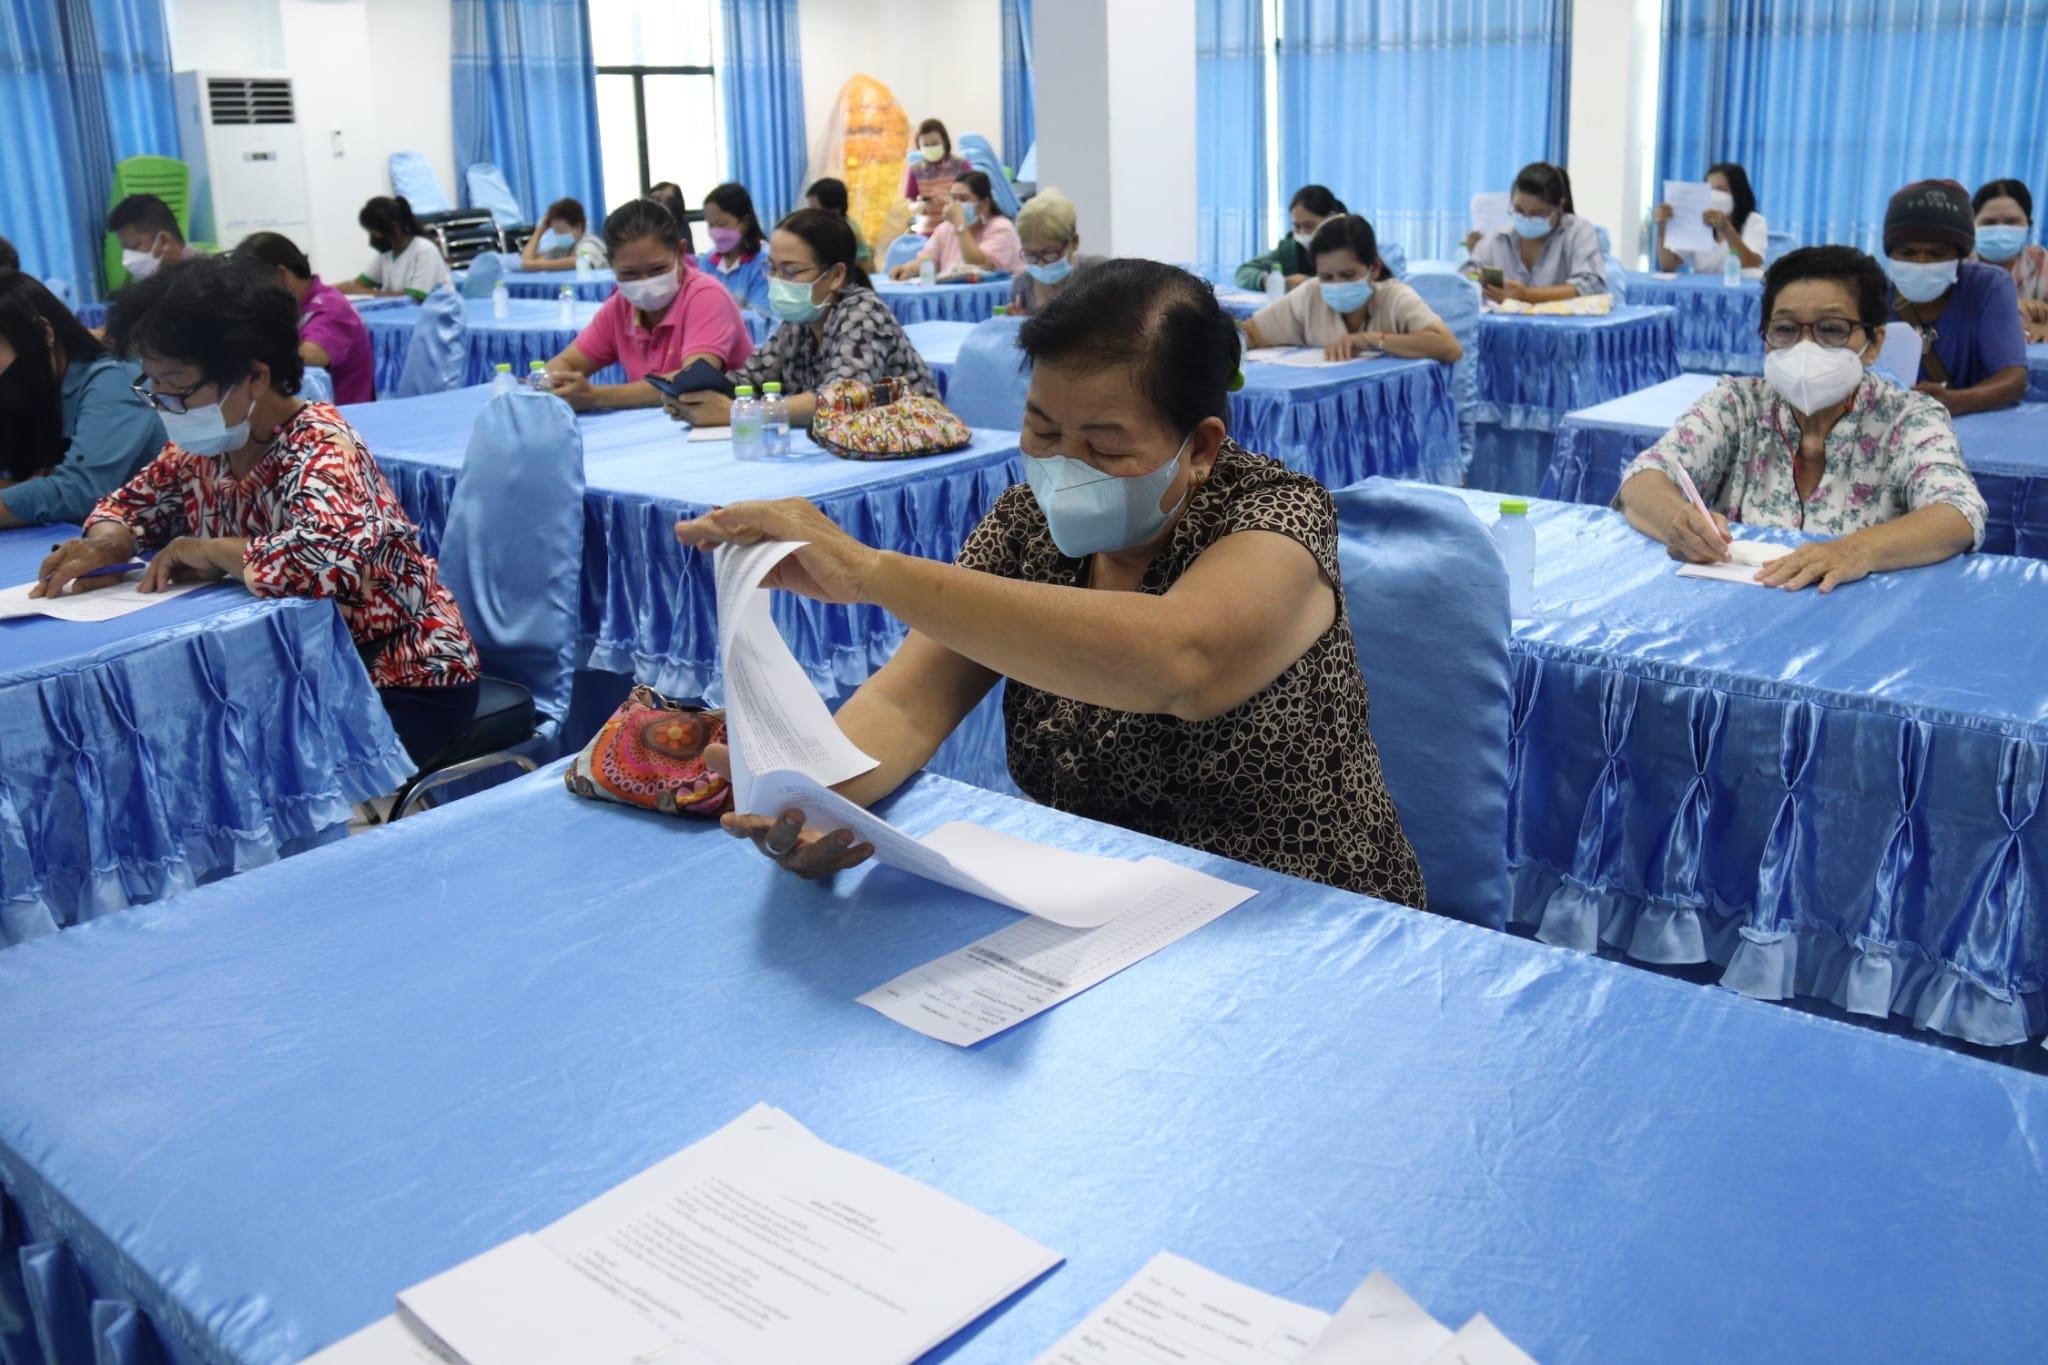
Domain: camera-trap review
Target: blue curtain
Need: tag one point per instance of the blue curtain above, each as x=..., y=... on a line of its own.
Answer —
x=83, y=83
x=525, y=92
x=1230, y=133
x=1020, y=118
x=1408, y=110
x=1831, y=107
x=764, y=104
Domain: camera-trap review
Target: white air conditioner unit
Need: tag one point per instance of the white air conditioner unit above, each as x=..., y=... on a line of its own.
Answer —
x=239, y=132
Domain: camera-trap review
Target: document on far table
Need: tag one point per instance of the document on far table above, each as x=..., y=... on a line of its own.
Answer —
x=99, y=604
x=1175, y=1311
x=1302, y=357
x=1026, y=968
x=763, y=1245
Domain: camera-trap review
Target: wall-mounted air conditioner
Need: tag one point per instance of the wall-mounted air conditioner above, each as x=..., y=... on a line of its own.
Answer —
x=239, y=133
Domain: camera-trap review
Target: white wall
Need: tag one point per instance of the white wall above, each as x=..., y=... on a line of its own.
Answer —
x=1615, y=46
x=942, y=59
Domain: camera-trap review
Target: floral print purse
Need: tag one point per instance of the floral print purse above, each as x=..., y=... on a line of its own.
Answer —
x=884, y=421
x=650, y=754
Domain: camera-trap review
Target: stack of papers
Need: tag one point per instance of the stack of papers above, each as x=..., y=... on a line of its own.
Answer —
x=1093, y=916
x=1745, y=558
x=1307, y=357
x=760, y=1245
x=1174, y=1310
x=100, y=604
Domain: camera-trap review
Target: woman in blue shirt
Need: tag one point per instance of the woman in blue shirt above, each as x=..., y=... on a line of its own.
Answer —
x=71, y=428
x=1973, y=353
x=739, y=255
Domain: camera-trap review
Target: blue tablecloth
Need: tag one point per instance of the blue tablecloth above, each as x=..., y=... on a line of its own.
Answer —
x=2007, y=452
x=648, y=604
x=533, y=331
x=1839, y=796
x=547, y=284
x=914, y=302
x=1533, y=369
x=1240, y=303
x=1719, y=327
x=212, y=733
x=251, y=1117
x=2037, y=373
x=1349, y=422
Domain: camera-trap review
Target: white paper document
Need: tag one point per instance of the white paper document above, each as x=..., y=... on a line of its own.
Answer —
x=1690, y=200
x=520, y=1304
x=1746, y=557
x=1026, y=968
x=100, y=604
x=387, y=1341
x=710, y=434
x=763, y=1245
x=1378, y=1325
x=788, y=752
x=1303, y=357
x=1490, y=212
x=1479, y=1342
x=1175, y=1311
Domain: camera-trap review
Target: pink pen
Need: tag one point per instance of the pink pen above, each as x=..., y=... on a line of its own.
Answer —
x=1692, y=494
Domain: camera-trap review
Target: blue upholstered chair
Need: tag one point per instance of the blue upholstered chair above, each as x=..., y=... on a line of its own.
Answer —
x=489, y=190
x=1777, y=244
x=1427, y=595
x=1455, y=299
x=512, y=554
x=412, y=176
x=989, y=380
x=438, y=354
x=316, y=385
x=485, y=270
x=903, y=250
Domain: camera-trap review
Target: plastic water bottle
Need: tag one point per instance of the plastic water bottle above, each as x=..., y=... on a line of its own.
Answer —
x=565, y=306
x=537, y=377
x=583, y=270
x=774, y=421
x=1731, y=271
x=1276, y=285
x=501, y=301
x=746, y=424
x=927, y=272
x=1517, y=541
x=502, y=381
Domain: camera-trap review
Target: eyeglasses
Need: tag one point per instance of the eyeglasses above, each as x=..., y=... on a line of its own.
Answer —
x=1833, y=333
x=793, y=272
x=166, y=402
x=1046, y=257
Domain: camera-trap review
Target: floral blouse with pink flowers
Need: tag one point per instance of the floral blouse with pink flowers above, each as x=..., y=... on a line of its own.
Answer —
x=1892, y=453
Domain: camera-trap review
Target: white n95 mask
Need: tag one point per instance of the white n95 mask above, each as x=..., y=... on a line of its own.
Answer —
x=1812, y=377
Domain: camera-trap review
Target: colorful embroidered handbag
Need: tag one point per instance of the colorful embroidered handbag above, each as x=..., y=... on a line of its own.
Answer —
x=651, y=754
x=883, y=421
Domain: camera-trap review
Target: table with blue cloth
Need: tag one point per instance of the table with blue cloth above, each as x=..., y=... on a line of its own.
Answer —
x=2037, y=372
x=1241, y=304
x=210, y=733
x=648, y=604
x=1720, y=326
x=914, y=302
x=2006, y=450
x=236, y=1126
x=1535, y=368
x=1840, y=797
x=547, y=284
x=532, y=330
x=1343, y=423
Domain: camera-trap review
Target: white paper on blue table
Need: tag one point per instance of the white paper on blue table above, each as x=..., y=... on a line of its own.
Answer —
x=1745, y=558
x=788, y=752
x=96, y=604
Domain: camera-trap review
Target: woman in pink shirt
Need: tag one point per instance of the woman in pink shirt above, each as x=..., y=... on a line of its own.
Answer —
x=973, y=236
x=331, y=332
x=664, y=317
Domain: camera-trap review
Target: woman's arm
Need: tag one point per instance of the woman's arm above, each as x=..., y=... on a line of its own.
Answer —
x=1666, y=258
x=1653, y=505
x=1927, y=535
x=2002, y=390
x=904, y=713
x=1527, y=293
x=1751, y=258
x=1434, y=342
x=313, y=353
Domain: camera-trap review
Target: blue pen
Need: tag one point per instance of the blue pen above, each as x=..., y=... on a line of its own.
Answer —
x=130, y=567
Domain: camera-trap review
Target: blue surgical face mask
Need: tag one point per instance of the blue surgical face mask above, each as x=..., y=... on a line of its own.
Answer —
x=552, y=240
x=1347, y=296
x=205, y=431
x=2001, y=243
x=1530, y=228
x=967, y=215
x=791, y=301
x=1922, y=281
x=1090, y=512
x=1051, y=274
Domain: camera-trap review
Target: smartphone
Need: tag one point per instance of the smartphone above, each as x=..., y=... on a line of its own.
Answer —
x=698, y=378
x=1491, y=274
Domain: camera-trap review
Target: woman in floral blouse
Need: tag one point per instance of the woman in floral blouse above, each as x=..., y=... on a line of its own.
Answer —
x=259, y=486
x=833, y=326
x=1817, y=444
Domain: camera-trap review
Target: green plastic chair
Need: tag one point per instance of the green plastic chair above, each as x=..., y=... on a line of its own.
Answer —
x=169, y=179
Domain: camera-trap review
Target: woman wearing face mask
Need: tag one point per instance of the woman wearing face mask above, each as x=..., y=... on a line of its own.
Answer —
x=1307, y=211
x=2005, y=217
x=974, y=235
x=71, y=430
x=1164, y=604
x=933, y=166
x=1737, y=226
x=408, y=264
x=1973, y=354
x=1049, y=245
x=662, y=318
x=280, y=494
x=1547, y=252
x=737, y=260
x=1817, y=444
x=562, y=240
x=1344, y=311
x=833, y=326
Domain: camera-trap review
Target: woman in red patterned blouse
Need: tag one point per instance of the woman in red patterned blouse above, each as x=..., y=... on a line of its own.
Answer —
x=258, y=485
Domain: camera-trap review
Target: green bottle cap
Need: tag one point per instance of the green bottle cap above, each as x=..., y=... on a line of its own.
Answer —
x=1514, y=507
x=504, y=367
x=744, y=391
x=773, y=386
x=536, y=364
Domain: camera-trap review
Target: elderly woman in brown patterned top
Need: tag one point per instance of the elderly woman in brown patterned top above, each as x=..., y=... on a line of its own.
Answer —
x=1165, y=605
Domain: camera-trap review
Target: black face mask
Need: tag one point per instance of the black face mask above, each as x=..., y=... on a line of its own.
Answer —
x=379, y=242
